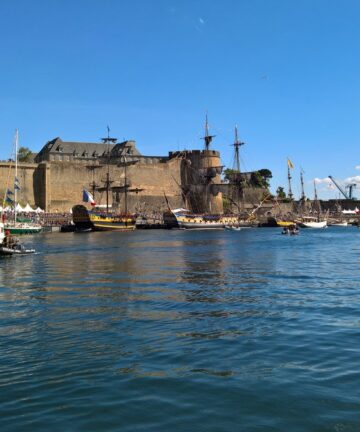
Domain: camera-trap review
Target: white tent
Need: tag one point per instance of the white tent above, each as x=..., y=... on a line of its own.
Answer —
x=38, y=210
x=18, y=208
x=1, y=209
x=8, y=209
x=28, y=208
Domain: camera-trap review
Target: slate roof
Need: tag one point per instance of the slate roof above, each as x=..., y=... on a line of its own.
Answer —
x=85, y=149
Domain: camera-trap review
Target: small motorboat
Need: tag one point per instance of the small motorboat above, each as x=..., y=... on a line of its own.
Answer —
x=17, y=250
x=232, y=228
x=290, y=230
x=10, y=245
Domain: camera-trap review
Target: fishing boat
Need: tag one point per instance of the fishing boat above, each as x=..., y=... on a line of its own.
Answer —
x=13, y=225
x=105, y=219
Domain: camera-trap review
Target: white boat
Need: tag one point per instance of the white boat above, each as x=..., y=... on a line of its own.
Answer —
x=309, y=222
x=14, y=226
x=342, y=224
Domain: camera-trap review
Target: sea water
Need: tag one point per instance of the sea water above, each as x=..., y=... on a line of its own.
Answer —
x=182, y=331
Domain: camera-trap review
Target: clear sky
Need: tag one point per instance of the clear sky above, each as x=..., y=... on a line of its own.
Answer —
x=286, y=72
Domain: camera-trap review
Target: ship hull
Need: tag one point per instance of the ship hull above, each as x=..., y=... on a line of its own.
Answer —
x=186, y=220
x=85, y=220
x=18, y=230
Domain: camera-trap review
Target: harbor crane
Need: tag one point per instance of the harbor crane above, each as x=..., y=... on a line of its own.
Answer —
x=350, y=187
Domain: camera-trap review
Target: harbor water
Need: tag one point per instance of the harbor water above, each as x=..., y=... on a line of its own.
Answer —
x=182, y=331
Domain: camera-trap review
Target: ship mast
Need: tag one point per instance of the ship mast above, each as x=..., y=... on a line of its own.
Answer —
x=237, y=144
x=16, y=174
x=207, y=138
x=303, y=197
x=107, y=180
x=317, y=202
x=126, y=187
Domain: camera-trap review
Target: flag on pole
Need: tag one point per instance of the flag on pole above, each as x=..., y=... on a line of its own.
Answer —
x=9, y=192
x=9, y=200
x=87, y=197
x=16, y=180
x=16, y=186
x=290, y=164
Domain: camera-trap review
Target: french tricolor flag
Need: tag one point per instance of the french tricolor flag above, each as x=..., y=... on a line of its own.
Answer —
x=87, y=197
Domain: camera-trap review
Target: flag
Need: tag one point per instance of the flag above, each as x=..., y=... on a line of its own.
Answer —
x=87, y=197
x=9, y=192
x=16, y=187
x=9, y=200
x=16, y=180
x=290, y=164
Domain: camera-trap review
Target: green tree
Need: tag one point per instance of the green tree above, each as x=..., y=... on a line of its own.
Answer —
x=257, y=180
x=266, y=174
x=280, y=192
x=229, y=174
x=24, y=154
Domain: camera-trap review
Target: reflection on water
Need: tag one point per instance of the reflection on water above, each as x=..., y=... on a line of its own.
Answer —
x=183, y=331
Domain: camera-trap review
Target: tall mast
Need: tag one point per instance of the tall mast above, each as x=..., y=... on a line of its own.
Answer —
x=207, y=138
x=237, y=144
x=303, y=197
x=315, y=192
x=16, y=173
x=126, y=204
x=316, y=201
x=108, y=181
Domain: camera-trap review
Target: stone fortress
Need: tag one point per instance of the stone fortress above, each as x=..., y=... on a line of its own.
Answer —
x=61, y=170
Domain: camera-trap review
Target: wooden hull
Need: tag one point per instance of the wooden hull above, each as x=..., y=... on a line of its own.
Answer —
x=85, y=220
x=191, y=221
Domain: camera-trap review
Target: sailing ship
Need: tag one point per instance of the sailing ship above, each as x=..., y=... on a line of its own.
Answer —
x=13, y=225
x=98, y=218
x=316, y=220
x=185, y=218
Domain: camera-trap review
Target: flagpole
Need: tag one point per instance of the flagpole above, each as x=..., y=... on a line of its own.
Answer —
x=289, y=179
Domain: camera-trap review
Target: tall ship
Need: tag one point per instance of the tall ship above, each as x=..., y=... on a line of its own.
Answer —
x=199, y=197
x=105, y=218
x=316, y=220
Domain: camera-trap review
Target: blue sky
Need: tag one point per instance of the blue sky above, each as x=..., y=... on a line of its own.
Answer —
x=286, y=72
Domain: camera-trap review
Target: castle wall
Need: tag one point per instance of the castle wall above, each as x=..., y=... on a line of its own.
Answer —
x=26, y=176
x=65, y=183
